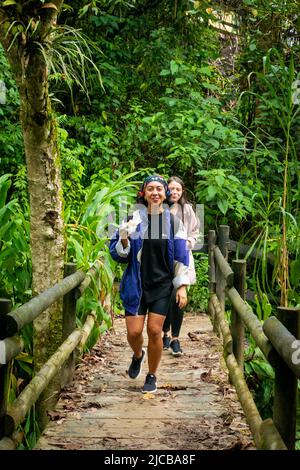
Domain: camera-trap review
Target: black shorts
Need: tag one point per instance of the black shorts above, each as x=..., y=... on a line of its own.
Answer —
x=159, y=306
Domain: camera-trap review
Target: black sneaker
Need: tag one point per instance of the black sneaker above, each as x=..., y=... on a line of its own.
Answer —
x=135, y=367
x=175, y=347
x=150, y=385
x=166, y=342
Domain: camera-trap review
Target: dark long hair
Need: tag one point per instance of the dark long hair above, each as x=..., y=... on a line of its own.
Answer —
x=183, y=198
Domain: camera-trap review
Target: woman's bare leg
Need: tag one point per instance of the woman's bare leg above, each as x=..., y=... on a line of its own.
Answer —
x=155, y=344
x=135, y=325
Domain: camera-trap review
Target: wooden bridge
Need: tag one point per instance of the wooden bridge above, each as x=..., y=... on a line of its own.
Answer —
x=197, y=405
x=194, y=407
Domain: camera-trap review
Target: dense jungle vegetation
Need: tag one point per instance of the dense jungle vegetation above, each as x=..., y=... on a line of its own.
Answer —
x=207, y=90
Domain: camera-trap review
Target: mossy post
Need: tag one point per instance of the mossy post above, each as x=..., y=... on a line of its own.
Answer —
x=211, y=261
x=285, y=387
x=223, y=243
x=237, y=325
x=69, y=325
x=211, y=271
x=5, y=370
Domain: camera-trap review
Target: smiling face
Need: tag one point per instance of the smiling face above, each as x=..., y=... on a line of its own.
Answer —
x=176, y=191
x=154, y=194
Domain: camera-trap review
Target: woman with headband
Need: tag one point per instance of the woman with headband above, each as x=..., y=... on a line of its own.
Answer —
x=153, y=244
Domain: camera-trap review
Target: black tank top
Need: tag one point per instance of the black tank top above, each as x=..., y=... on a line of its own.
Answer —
x=155, y=270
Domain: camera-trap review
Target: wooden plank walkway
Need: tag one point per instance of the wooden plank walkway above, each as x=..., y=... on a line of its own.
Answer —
x=194, y=408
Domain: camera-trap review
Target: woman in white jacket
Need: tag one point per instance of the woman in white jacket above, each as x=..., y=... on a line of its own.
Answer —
x=180, y=207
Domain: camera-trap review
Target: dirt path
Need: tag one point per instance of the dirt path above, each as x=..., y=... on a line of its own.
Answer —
x=194, y=408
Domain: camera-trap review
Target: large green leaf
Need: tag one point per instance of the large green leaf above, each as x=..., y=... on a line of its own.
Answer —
x=222, y=205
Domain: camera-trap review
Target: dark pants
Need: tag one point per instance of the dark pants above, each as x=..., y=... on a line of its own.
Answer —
x=174, y=316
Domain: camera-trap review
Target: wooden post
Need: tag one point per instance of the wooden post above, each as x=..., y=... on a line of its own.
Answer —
x=212, y=279
x=5, y=371
x=223, y=244
x=237, y=325
x=211, y=261
x=285, y=389
x=69, y=325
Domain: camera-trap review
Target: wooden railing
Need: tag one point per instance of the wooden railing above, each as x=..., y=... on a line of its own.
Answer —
x=276, y=337
x=11, y=344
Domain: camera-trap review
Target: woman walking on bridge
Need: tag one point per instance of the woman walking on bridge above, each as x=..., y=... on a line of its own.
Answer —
x=182, y=209
x=153, y=244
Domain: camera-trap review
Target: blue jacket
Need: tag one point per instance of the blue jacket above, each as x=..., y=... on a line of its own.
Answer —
x=178, y=256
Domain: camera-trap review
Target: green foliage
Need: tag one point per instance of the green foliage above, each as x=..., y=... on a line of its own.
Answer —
x=72, y=171
x=260, y=379
x=224, y=193
x=15, y=262
x=166, y=102
x=31, y=431
x=263, y=308
x=198, y=293
x=68, y=53
x=11, y=142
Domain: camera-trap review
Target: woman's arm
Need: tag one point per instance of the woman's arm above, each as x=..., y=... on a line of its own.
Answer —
x=119, y=247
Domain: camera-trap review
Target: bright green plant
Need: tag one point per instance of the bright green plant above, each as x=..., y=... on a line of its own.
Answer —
x=15, y=263
x=224, y=193
x=11, y=141
x=263, y=308
x=31, y=431
x=260, y=379
x=279, y=109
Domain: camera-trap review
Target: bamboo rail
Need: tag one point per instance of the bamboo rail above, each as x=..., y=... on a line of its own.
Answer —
x=254, y=326
x=10, y=348
x=277, y=338
x=73, y=285
x=16, y=413
x=265, y=434
x=285, y=343
x=225, y=269
x=219, y=314
x=14, y=321
x=87, y=328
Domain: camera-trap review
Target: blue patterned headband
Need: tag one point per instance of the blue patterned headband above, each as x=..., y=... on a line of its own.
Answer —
x=148, y=180
x=157, y=178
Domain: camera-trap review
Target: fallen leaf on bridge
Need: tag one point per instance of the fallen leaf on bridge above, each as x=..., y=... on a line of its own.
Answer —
x=193, y=336
x=148, y=396
x=206, y=376
x=92, y=404
x=55, y=415
x=173, y=387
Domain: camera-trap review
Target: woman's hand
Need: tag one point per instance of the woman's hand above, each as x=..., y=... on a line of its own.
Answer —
x=123, y=234
x=181, y=297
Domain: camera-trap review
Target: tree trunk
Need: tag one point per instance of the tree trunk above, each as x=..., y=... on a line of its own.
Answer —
x=20, y=44
x=46, y=221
